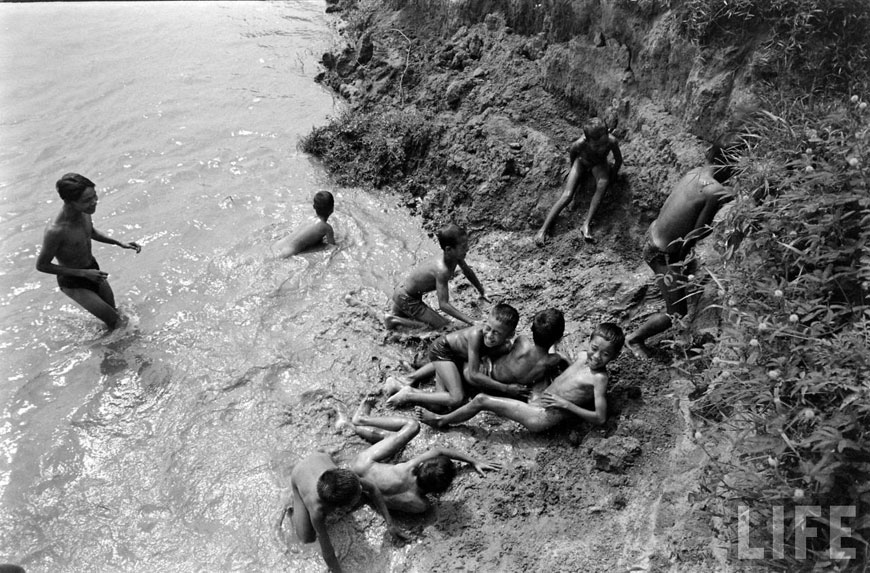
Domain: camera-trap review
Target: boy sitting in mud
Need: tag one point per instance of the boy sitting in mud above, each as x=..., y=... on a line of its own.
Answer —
x=320, y=488
x=527, y=362
x=314, y=235
x=405, y=485
x=409, y=310
x=450, y=353
x=582, y=382
x=589, y=152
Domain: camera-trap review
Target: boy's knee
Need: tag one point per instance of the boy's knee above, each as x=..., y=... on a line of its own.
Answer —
x=455, y=401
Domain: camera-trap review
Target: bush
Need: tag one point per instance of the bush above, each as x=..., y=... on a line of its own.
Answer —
x=789, y=377
x=819, y=45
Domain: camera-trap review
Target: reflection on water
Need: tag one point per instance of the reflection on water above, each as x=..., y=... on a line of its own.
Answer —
x=167, y=443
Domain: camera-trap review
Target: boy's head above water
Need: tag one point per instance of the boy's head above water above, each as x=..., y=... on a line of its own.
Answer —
x=455, y=238
x=435, y=475
x=339, y=487
x=548, y=327
x=324, y=203
x=604, y=345
x=500, y=325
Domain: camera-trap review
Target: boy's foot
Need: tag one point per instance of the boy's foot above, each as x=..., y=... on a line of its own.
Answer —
x=364, y=409
x=400, y=398
x=341, y=420
x=639, y=349
x=540, y=238
x=390, y=322
x=393, y=384
x=427, y=417
x=587, y=236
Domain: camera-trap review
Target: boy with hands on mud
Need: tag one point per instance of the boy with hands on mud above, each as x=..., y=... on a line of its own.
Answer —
x=409, y=310
x=460, y=352
x=582, y=382
x=319, y=488
x=588, y=153
x=405, y=485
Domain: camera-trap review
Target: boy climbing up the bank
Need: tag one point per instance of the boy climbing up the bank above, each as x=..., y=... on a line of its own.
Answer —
x=684, y=219
x=313, y=235
x=527, y=362
x=409, y=310
x=405, y=485
x=582, y=384
x=588, y=153
x=318, y=488
x=450, y=353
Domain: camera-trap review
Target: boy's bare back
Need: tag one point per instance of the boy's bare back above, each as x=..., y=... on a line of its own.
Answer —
x=308, y=238
x=425, y=277
x=525, y=364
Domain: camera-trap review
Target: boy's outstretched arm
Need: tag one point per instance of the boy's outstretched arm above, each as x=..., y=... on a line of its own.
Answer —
x=472, y=278
x=443, y=293
x=377, y=498
x=326, y=548
x=479, y=465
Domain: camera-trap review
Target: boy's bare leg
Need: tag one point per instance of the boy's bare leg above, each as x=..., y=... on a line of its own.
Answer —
x=103, y=307
x=602, y=180
x=532, y=417
x=565, y=198
x=446, y=374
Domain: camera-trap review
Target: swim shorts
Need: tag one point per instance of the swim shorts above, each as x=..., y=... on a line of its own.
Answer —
x=440, y=351
x=64, y=281
x=408, y=306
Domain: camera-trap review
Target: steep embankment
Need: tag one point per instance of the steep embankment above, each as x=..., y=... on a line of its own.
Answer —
x=468, y=115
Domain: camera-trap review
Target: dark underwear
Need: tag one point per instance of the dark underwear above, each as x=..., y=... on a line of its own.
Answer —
x=440, y=351
x=64, y=281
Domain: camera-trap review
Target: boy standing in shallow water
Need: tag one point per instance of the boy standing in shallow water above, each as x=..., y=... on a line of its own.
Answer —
x=582, y=382
x=461, y=351
x=409, y=310
x=589, y=152
x=320, y=488
x=68, y=239
x=313, y=235
x=684, y=219
x=406, y=485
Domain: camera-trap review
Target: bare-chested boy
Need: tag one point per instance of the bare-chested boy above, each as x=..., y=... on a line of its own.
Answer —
x=68, y=239
x=449, y=355
x=527, y=362
x=409, y=310
x=313, y=235
x=319, y=488
x=589, y=152
x=684, y=219
x=405, y=485
x=582, y=383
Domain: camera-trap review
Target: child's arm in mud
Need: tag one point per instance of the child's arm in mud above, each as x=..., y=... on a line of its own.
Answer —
x=479, y=465
x=374, y=494
x=443, y=292
x=472, y=278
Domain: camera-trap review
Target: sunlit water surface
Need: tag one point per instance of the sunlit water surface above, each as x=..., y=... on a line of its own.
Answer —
x=165, y=445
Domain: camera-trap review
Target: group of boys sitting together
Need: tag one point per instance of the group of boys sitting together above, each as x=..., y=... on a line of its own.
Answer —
x=483, y=367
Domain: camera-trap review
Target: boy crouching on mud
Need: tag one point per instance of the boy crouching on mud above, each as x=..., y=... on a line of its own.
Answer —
x=409, y=310
x=582, y=382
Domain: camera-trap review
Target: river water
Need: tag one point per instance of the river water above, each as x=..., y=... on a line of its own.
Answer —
x=165, y=445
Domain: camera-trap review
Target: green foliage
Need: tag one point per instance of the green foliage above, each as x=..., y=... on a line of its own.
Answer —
x=372, y=149
x=789, y=378
x=820, y=45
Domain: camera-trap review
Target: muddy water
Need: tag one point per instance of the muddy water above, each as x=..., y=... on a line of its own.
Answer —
x=165, y=445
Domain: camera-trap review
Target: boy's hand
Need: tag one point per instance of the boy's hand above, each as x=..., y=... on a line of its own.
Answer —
x=132, y=245
x=550, y=400
x=399, y=534
x=480, y=467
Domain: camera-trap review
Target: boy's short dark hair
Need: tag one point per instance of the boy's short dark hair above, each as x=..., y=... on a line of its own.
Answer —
x=71, y=186
x=506, y=314
x=338, y=486
x=435, y=474
x=450, y=236
x=548, y=327
x=594, y=128
x=324, y=203
x=612, y=334
x=723, y=153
